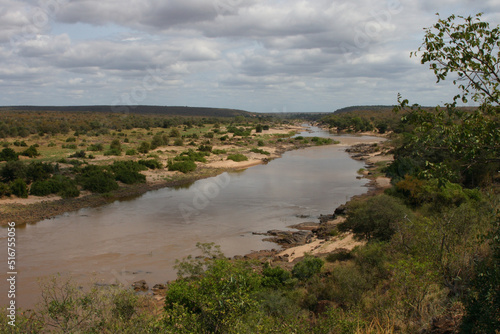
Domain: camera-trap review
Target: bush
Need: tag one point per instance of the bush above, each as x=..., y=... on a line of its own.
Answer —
x=151, y=163
x=5, y=189
x=214, y=301
x=182, y=166
x=275, y=277
x=321, y=141
x=237, y=157
x=157, y=141
x=192, y=155
x=128, y=172
x=13, y=170
x=179, y=142
x=260, y=151
x=375, y=218
x=36, y=171
x=70, y=140
x=95, y=147
x=78, y=154
x=259, y=128
x=97, y=179
x=131, y=152
x=308, y=267
x=144, y=147
x=31, y=152
x=205, y=148
x=260, y=143
x=8, y=154
x=219, y=151
x=19, y=188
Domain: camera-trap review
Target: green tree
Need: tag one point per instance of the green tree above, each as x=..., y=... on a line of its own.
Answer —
x=470, y=49
x=448, y=143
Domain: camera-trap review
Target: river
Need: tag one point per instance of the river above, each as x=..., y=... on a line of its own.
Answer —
x=141, y=238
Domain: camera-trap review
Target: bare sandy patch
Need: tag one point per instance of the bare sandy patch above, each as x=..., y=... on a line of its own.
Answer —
x=318, y=246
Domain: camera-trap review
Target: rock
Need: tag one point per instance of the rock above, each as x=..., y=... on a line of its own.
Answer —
x=306, y=226
x=341, y=210
x=289, y=238
x=140, y=286
x=324, y=218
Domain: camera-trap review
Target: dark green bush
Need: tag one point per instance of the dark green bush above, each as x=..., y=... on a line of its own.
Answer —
x=36, y=171
x=275, y=277
x=191, y=155
x=144, y=147
x=131, y=152
x=13, y=170
x=237, y=157
x=19, y=188
x=5, y=189
x=307, y=268
x=375, y=218
x=261, y=151
x=31, y=152
x=78, y=154
x=97, y=179
x=179, y=142
x=151, y=163
x=205, y=148
x=182, y=166
x=128, y=172
x=95, y=147
x=8, y=154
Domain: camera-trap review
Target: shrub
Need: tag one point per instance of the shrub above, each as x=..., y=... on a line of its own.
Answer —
x=178, y=142
x=237, y=157
x=174, y=133
x=8, y=154
x=36, y=171
x=128, y=172
x=70, y=140
x=151, y=163
x=182, y=166
x=265, y=127
x=261, y=151
x=219, y=151
x=321, y=141
x=144, y=147
x=275, y=277
x=205, y=148
x=260, y=143
x=192, y=155
x=5, y=189
x=131, y=152
x=157, y=141
x=375, y=218
x=13, y=170
x=214, y=301
x=95, y=147
x=31, y=152
x=19, y=188
x=259, y=128
x=97, y=179
x=113, y=152
x=308, y=267
x=78, y=154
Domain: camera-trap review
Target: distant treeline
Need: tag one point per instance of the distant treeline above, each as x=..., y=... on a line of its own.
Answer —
x=148, y=110
x=25, y=121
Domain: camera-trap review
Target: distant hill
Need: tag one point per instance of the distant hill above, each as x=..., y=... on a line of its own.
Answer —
x=363, y=108
x=149, y=110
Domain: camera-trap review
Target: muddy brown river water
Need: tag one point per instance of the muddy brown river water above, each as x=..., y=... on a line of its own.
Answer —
x=141, y=238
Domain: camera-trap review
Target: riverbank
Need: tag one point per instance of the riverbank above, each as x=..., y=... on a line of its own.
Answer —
x=322, y=238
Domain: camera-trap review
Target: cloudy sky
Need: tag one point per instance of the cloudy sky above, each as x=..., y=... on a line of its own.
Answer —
x=256, y=55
